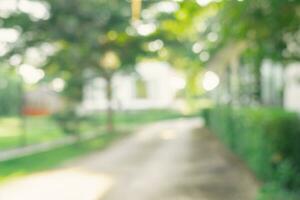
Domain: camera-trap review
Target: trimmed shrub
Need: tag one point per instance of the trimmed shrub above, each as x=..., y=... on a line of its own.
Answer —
x=266, y=138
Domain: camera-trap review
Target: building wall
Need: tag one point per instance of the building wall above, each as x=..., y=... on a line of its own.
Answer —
x=161, y=83
x=272, y=83
x=292, y=87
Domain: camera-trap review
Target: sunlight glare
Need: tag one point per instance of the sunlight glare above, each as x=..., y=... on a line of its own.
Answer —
x=178, y=82
x=197, y=47
x=146, y=29
x=58, y=84
x=75, y=184
x=155, y=45
x=15, y=60
x=210, y=81
x=204, y=56
x=168, y=135
x=204, y=2
x=30, y=74
x=36, y=10
x=167, y=6
x=9, y=35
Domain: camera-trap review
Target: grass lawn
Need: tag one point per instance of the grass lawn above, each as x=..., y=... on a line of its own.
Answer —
x=125, y=123
x=43, y=129
x=38, y=129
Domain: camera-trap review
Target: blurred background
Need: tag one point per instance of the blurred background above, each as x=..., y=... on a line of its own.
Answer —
x=76, y=75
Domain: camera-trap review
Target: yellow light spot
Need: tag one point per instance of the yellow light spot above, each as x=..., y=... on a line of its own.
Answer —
x=168, y=134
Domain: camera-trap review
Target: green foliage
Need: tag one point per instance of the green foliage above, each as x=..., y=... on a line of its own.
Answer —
x=68, y=121
x=274, y=191
x=132, y=118
x=82, y=32
x=264, y=24
x=46, y=129
x=10, y=93
x=37, y=130
x=267, y=139
x=85, y=31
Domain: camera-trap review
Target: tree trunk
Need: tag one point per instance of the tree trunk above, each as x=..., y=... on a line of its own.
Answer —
x=234, y=81
x=23, y=135
x=23, y=124
x=258, y=84
x=109, y=110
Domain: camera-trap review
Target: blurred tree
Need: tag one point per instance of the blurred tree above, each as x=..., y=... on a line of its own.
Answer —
x=88, y=38
x=92, y=41
x=184, y=48
x=216, y=31
x=93, y=38
x=10, y=92
x=270, y=30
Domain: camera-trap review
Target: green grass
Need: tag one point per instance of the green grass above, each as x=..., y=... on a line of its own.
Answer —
x=47, y=160
x=43, y=129
x=38, y=129
x=128, y=118
x=125, y=123
x=9, y=132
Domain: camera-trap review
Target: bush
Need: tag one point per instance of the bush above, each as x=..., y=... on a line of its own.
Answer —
x=267, y=139
x=274, y=191
x=68, y=121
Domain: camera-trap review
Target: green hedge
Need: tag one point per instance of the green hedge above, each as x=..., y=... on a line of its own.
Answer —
x=267, y=139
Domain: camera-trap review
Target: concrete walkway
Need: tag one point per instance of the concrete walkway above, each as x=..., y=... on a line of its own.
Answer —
x=170, y=160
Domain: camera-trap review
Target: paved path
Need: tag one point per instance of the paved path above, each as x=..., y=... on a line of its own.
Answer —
x=163, y=161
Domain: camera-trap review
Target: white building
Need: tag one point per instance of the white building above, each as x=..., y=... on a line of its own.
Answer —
x=292, y=87
x=281, y=85
x=154, y=85
x=272, y=83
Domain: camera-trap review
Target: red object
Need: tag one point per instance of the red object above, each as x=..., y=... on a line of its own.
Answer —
x=30, y=111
